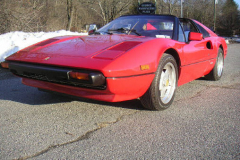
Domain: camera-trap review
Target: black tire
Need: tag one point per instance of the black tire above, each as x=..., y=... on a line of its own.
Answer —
x=152, y=98
x=217, y=71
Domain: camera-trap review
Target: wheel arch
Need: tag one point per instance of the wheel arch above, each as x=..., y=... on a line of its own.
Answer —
x=175, y=54
x=221, y=46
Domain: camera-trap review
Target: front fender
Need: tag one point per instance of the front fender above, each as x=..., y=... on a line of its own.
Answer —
x=146, y=55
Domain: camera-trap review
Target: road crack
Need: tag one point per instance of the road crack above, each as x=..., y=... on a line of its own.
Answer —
x=82, y=137
x=233, y=87
x=227, y=87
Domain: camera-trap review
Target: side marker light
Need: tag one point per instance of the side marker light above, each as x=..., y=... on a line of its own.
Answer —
x=144, y=67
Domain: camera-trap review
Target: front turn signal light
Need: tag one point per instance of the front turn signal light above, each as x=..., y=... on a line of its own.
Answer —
x=79, y=76
x=5, y=65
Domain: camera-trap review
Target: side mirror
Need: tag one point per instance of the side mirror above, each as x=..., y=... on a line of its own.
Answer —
x=194, y=36
x=91, y=32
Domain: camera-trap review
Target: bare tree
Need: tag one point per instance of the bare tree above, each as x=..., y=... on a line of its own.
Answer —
x=4, y=18
x=109, y=9
x=51, y=15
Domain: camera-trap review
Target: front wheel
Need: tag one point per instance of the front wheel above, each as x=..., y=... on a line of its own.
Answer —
x=161, y=93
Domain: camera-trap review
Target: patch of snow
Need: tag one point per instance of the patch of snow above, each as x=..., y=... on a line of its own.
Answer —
x=14, y=41
x=227, y=41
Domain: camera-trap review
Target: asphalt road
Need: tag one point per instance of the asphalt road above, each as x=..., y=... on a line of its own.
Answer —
x=202, y=123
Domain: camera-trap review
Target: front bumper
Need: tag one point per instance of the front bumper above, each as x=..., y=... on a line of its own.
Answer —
x=97, y=87
x=58, y=75
x=118, y=89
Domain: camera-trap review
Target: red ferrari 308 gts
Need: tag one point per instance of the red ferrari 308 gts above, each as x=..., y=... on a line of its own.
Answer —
x=137, y=56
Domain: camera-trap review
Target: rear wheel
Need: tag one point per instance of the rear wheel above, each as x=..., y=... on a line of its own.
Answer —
x=161, y=93
x=217, y=71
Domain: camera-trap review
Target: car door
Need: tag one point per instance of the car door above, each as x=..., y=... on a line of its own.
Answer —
x=196, y=53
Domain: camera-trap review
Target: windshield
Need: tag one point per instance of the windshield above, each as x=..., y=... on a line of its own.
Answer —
x=150, y=26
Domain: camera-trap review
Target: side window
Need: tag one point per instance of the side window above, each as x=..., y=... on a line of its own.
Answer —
x=203, y=31
x=187, y=27
x=181, y=37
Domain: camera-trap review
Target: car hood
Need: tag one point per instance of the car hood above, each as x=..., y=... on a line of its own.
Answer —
x=103, y=53
x=69, y=46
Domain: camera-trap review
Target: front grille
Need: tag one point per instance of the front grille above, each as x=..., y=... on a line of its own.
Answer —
x=49, y=74
x=34, y=76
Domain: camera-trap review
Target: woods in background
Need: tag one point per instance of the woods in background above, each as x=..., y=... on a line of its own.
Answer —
x=74, y=15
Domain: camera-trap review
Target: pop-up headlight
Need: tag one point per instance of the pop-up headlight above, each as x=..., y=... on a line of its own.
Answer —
x=115, y=51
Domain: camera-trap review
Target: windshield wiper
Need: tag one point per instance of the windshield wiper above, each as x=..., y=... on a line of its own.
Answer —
x=125, y=30
x=134, y=31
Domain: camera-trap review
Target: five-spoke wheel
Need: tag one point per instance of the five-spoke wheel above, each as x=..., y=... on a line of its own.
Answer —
x=161, y=93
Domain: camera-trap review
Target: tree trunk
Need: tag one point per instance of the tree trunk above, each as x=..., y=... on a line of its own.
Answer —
x=69, y=14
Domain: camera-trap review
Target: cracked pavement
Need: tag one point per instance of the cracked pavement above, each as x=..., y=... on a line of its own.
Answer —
x=202, y=123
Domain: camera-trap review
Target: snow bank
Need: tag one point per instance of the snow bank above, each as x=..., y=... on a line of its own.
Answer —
x=14, y=41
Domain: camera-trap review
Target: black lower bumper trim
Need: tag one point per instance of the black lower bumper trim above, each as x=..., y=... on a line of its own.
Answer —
x=57, y=75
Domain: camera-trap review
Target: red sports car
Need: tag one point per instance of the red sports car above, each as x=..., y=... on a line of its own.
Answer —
x=137, y=56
